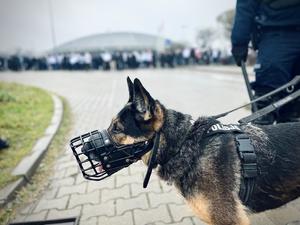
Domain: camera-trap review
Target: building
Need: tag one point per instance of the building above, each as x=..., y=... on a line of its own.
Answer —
x=116, y=41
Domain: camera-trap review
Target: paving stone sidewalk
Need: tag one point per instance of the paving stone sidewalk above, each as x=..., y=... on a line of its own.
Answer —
x=94, y=98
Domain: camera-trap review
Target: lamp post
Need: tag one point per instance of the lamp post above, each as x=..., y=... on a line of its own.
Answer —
x=52, y=27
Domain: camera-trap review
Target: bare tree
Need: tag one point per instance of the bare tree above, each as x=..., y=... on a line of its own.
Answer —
x=226, y=20
x=204, y=37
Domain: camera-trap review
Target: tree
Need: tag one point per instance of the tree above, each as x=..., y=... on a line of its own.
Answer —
x=226, y=20
x=204, y=37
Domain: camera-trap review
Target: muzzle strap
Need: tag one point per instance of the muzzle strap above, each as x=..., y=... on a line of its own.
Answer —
x=152, y=161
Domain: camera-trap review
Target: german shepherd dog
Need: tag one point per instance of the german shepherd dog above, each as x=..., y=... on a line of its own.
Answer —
x=206, y=169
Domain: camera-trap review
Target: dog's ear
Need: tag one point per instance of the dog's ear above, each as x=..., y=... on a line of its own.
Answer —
x=130, y=89
x=142, y=101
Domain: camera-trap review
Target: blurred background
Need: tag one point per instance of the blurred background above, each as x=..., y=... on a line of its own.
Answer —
x=113, y=35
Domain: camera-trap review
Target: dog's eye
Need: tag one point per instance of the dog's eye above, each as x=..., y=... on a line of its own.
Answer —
x=116, y=129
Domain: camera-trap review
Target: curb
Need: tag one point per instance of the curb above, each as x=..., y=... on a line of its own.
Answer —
x=28, y=165
x=231, y=70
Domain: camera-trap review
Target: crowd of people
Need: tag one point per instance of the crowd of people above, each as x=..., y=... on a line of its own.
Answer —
x=118, y=60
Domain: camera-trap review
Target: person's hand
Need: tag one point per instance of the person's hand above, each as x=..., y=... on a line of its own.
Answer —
x=239, y=53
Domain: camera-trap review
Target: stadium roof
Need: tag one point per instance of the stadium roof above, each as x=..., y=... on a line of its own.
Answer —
x=117, y=41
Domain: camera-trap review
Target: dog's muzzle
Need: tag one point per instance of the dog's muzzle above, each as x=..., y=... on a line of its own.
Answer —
x=99, y=157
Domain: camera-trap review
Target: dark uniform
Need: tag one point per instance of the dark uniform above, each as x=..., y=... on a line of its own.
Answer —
x=2, y=63
x=274, y=25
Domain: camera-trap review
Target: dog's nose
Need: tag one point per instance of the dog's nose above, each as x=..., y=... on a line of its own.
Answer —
x=90, y=147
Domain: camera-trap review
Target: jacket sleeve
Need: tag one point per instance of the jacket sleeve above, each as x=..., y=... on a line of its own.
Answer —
x=243, y=22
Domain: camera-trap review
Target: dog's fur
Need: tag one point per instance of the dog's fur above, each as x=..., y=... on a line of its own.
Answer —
x=207, y=170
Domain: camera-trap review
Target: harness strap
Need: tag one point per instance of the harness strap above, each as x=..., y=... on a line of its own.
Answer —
x=246, y=154
x=249, y=167
x=221, y=128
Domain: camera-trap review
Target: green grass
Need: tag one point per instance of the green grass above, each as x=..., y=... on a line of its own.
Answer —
x=40, y=181
x=25, y=113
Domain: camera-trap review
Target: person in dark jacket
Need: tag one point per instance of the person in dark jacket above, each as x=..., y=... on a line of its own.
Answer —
x=2, y=63
x=3, y=144
x=274, y=27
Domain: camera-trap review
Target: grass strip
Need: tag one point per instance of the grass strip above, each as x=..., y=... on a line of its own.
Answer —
x=39, y=182
x=25, y=113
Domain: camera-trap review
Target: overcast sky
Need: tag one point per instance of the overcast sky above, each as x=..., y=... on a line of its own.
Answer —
x=25, y=24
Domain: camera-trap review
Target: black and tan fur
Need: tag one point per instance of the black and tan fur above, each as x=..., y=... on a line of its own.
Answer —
x=207, y=170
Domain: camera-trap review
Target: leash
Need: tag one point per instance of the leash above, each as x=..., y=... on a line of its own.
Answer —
x=245, y=149
x=269, y=108
x=247, y=82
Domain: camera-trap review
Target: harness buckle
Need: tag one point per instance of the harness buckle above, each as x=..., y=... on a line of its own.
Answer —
x=248, y=165
x=249, y=170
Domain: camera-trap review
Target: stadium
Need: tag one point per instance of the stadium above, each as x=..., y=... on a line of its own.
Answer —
x=117, y=41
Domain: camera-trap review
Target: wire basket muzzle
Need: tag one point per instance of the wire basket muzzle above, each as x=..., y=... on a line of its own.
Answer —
x=99, y=157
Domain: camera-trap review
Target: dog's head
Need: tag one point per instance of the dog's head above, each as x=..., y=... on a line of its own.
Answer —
x=139, y=119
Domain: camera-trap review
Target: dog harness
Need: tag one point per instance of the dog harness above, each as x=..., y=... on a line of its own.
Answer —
x=98, y=157
x=247, y=157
